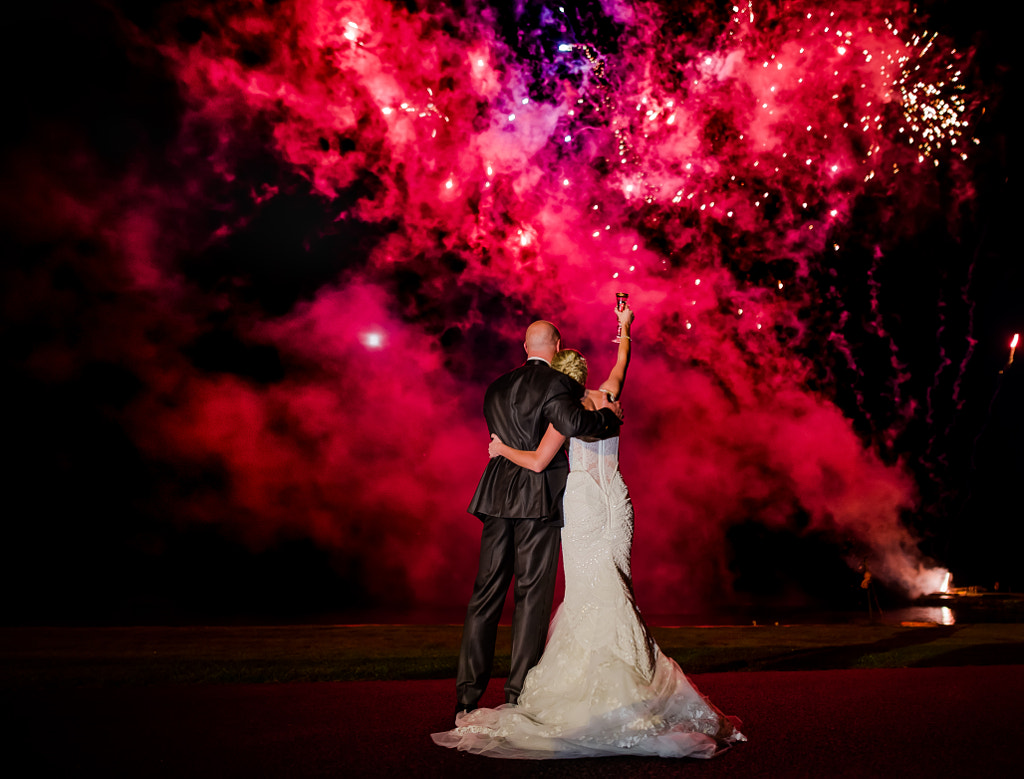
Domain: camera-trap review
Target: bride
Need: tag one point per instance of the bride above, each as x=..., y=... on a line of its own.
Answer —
x=602, y=687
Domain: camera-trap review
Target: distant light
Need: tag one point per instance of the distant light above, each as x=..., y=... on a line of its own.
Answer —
x=372, y=339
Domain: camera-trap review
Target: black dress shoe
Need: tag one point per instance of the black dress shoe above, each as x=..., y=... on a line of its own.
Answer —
x=463, y=708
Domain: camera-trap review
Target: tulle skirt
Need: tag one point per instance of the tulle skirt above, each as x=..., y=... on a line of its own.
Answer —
x=587, y=701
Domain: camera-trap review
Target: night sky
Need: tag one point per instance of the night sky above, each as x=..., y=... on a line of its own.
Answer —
x=262, y=260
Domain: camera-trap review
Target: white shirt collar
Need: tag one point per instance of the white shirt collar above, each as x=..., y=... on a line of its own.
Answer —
x=546, y=362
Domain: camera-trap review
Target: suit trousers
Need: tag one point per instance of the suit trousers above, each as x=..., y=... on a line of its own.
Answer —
x=528, y=551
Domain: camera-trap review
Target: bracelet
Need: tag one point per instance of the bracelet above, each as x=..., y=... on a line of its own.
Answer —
x=626, y=337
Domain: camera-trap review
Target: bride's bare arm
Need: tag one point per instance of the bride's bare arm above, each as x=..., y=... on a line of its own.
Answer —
x=536, y=460
x=617, y=378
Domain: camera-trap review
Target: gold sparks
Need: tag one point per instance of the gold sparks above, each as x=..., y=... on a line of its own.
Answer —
x=934, y=110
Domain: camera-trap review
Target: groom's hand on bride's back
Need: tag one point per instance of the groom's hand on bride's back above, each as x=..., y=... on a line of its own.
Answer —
x=614, y=405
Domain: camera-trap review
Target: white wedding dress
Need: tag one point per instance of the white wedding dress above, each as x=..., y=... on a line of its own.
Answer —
x=602, y=686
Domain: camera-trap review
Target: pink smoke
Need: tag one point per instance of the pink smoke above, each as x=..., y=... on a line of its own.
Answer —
x=712, y=171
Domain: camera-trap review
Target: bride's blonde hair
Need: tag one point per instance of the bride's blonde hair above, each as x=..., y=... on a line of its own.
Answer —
x=571, y=363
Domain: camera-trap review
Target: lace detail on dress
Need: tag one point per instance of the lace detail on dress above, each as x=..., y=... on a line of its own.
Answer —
x=602, y=686
x=598, y=458
x=596, y=544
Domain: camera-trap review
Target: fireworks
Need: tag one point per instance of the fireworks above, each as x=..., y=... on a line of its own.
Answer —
x=739, y=169
x=933, y=108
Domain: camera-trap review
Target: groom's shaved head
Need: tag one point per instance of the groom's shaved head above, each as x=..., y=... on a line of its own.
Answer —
x=542, y=334
x=542, y=340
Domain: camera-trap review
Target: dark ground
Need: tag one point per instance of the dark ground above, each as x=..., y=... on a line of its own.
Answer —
x=39, y=658
x=895, y=722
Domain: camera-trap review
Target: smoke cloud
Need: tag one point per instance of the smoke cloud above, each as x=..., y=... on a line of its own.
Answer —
x=350, y=211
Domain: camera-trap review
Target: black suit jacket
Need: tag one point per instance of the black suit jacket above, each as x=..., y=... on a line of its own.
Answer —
x=518, y=407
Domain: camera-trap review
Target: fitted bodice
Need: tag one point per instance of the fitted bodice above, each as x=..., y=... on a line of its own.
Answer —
x=599, y=459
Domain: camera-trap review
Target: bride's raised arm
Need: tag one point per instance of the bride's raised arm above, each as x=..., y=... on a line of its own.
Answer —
x=536, y=460
x=613, y=384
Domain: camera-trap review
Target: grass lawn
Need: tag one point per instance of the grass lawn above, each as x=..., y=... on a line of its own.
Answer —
x=37, y=657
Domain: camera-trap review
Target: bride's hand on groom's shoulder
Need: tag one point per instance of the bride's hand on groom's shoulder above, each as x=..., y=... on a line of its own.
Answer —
x=494, y=448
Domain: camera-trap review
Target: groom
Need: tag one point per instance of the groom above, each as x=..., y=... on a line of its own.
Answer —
x=521, y=513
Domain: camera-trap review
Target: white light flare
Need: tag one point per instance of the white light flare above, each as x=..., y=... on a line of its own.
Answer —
x=372, y=339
